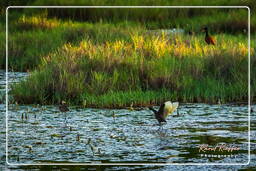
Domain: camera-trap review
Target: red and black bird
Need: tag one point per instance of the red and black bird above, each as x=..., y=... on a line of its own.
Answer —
x=208, y=39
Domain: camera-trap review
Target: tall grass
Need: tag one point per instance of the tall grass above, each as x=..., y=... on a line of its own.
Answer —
x=119, y=66
x=31, y=38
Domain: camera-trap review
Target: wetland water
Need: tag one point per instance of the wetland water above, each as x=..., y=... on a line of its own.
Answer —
x=40, y=134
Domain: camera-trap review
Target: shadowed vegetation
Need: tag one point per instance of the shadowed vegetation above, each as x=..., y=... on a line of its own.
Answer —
x=159, y=16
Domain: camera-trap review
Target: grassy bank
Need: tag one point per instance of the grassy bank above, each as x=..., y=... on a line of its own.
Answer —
x=123, y=65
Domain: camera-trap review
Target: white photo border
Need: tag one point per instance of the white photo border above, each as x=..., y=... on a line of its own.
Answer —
x=128, y=164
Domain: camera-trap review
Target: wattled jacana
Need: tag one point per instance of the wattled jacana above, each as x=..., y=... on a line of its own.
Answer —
x=164, y=110
x=208, y=39
x=63, y=107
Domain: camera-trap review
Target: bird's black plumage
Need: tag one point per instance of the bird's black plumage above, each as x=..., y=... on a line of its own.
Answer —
x=164, y=110
x=208, y=39
x=159, y=115
x=191, y=33
x=63, y=107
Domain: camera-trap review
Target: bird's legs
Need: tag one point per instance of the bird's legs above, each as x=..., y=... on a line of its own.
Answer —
x=161, y=125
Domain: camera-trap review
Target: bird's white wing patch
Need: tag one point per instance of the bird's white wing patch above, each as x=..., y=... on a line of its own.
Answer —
x=170, y=107
x=175, y=104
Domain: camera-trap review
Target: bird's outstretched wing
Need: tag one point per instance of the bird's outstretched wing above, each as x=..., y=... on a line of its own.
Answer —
x=170, y=108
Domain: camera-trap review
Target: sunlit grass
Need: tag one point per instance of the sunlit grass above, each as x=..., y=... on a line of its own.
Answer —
x=36, y=22
x=31, y=38
x=136, y=67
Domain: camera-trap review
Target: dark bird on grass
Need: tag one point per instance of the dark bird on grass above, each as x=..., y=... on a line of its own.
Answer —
x=63, y=107
x=208, y=39
x=191, y=33
x=165, y=109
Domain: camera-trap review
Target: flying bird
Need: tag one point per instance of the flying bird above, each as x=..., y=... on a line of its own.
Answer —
x=165, y=109
x=208, y=39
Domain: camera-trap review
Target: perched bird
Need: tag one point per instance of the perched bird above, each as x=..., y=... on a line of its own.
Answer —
x=78, y=137
x=164, y=110
x=208, y=39
x=63, y=107
x=219, y=102
x=131, y=107
x=191, y=33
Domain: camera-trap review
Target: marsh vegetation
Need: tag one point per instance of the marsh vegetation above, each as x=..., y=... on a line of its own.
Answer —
x=119, y=64
x=116, y=58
